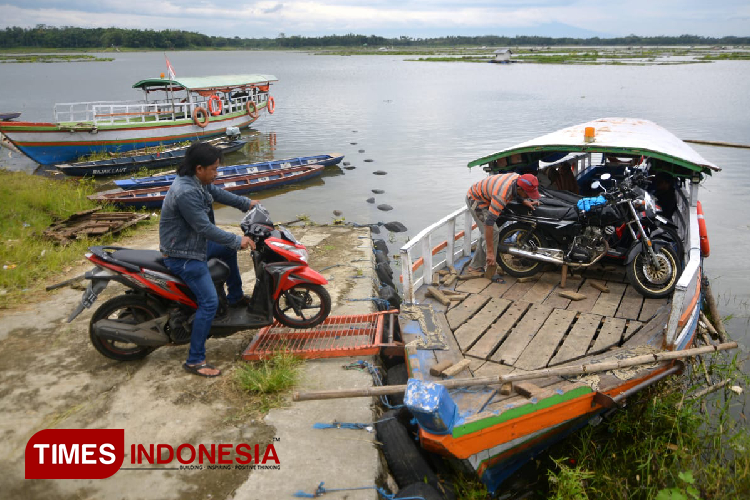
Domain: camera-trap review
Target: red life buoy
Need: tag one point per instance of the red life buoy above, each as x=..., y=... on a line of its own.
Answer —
x=200, y=117
x=705, y=246
x=271, y=106
x=215, y=99
x=252, y=106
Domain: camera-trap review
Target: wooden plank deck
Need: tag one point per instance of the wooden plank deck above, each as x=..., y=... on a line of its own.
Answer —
x=504, y=326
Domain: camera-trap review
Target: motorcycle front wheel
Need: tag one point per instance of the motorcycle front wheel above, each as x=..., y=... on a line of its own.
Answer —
x=303, y=306
x=514, y=265
x=129, y=309
x=654, y=281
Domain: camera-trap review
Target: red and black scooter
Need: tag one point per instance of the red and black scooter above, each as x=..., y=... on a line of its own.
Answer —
x=158, y=308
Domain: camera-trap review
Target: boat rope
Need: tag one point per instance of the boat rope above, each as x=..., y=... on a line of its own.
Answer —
x=363, y=365
x=320, y=491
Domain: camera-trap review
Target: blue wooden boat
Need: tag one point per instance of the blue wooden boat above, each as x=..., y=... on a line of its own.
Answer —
x=153, y=197
x=235, y=170
x=134, y=163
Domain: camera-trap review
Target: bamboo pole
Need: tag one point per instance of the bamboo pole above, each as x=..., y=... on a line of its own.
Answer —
x=717, y=143
x=714, y=310
x=710, y=389
x=530, y=375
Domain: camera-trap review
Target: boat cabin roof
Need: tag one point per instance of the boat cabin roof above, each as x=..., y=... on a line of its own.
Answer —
x=207, y=82
x=617, y=136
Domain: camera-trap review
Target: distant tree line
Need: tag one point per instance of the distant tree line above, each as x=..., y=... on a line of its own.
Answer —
x=69, y=37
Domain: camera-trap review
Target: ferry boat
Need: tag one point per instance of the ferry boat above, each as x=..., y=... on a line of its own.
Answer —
x=186, y=109
x=549, y=352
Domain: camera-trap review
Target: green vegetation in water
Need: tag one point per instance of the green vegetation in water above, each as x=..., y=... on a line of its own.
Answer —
x=267, y=380
x=52, y=58
x=30, y=204
x=663, y=445
x=727, y=56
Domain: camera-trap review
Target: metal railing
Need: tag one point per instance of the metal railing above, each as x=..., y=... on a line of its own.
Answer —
x=445, y=230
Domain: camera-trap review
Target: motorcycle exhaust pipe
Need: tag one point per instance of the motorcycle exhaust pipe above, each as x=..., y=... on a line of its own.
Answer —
x=531, y=255
x=148, y=333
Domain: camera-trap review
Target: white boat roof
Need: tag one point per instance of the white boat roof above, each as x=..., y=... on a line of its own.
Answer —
x=631, y=136
x=208, y=82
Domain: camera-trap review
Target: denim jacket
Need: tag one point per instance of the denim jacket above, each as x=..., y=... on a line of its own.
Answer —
x=187, y=219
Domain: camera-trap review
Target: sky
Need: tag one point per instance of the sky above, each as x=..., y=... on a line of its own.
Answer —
x=393, y=18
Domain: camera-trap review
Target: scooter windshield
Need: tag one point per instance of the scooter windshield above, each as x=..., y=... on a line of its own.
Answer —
x=257, y=215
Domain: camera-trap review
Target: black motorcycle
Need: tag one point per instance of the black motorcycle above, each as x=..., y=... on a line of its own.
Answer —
x=580, y=233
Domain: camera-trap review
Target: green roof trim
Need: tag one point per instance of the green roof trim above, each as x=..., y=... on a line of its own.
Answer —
x=208, y=82
x=589, y=149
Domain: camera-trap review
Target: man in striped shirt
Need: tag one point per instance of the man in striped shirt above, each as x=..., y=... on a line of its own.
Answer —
x=486, y=200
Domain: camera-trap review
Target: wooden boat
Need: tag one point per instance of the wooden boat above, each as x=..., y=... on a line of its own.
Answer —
x=189, y=109
x=133, y=163
x=9, y=116
x=521, y=329
x=240, y=184
x=235, y=170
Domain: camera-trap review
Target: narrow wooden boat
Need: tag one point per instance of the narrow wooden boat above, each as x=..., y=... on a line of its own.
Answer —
x=132, y=163
x=9, y=116
x=518, y=327
x=235, y=170
x=188, y=109
x=241, y=184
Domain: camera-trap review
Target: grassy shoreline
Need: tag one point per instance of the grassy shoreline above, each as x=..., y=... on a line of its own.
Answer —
x=30, y=204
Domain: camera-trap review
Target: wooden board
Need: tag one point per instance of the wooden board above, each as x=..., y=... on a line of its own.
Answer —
x=471, y=330
x=578, y=340
x=542, y=288
x=453, y=353
x=592, y=295
x=555, y=300
x=630, y=305
x=607, y=303
x=650, y=307
x=497, y=289
x=486, y=345
x=474, y=285
x=609, y=334
x=518, y=290
x=466, y=309
x=541, y=348
x=522, y=334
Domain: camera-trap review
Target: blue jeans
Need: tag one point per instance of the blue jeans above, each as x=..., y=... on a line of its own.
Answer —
x=196, y=276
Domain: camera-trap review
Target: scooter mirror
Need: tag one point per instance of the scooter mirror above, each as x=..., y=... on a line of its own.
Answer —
x=596, y=185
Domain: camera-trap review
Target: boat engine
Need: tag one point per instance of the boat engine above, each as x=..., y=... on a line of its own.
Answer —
x=233, y=133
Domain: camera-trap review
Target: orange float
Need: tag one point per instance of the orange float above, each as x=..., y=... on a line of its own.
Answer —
x=705, y=246
x=200, y=117
x=215, y=99
x=252, y=109
x=271, y=106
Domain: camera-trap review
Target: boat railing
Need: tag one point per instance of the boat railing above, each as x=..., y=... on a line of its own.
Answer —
x=80, y=111
x=443, y=231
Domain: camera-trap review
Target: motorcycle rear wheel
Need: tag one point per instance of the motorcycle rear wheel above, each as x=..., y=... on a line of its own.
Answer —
x=513, y=265
x=651, y=281
x=130, y=309
x=303, y=306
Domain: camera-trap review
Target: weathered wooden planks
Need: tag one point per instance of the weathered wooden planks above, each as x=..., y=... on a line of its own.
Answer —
x=592, y=295
x=522, y=334
x=471, y=330
x=578, y=340
x=542, y=288
x=466, y=309
x=518, y=290
x=497, y=289
x=541, y=348
x=486, y=345
x=630, y=305
x=650, y=306
x=607, y=303
x=556, y=301
x=609, y=334
x=473, y=285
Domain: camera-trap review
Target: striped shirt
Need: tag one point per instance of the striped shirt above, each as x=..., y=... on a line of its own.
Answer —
x=494, y=193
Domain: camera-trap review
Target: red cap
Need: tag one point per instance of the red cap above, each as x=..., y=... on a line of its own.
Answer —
x=530, y=185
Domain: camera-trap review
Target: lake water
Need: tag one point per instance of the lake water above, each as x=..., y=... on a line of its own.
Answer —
x=423, y=122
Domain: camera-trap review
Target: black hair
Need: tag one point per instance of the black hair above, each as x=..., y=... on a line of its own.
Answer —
x=199, y=153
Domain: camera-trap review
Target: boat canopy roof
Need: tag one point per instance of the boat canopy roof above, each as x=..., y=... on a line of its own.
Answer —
x=207, y=82
x=617, y=136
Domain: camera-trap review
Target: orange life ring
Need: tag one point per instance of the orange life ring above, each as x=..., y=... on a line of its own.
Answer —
x=211, y=100
x=254, y=112
x=271, y=106
x=201, y=122
x=705, y=246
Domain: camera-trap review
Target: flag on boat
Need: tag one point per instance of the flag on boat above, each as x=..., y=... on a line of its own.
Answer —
x=170, y=70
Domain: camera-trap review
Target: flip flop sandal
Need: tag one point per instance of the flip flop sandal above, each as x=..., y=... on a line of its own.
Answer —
x=195, y=369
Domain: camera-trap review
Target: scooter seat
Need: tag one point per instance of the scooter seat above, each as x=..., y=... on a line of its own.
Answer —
x=556, y=212
x=149, y=259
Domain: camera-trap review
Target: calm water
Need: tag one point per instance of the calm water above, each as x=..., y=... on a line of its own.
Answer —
x=423, y=122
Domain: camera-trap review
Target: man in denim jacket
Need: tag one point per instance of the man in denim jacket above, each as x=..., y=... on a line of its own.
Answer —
x=188, y=237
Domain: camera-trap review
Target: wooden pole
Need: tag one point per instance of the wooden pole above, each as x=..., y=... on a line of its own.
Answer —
x=534, y=374
x=714, y=310
x=717, y=143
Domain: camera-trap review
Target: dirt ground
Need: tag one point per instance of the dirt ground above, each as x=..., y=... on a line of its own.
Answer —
x=52, y=377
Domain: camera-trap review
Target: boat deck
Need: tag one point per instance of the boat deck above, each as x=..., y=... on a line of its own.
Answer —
x=505, y=326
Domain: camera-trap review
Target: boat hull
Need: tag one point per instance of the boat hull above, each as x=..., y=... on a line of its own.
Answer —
x=52, y=143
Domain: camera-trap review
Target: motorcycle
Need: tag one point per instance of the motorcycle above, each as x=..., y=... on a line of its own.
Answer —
x=158, y=308
x=579, y=234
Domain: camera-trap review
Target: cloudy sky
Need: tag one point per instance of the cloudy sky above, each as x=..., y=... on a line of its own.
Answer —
x=415, y=18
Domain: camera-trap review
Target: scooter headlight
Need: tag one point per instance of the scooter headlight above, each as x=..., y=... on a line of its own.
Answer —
x=301, y=253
